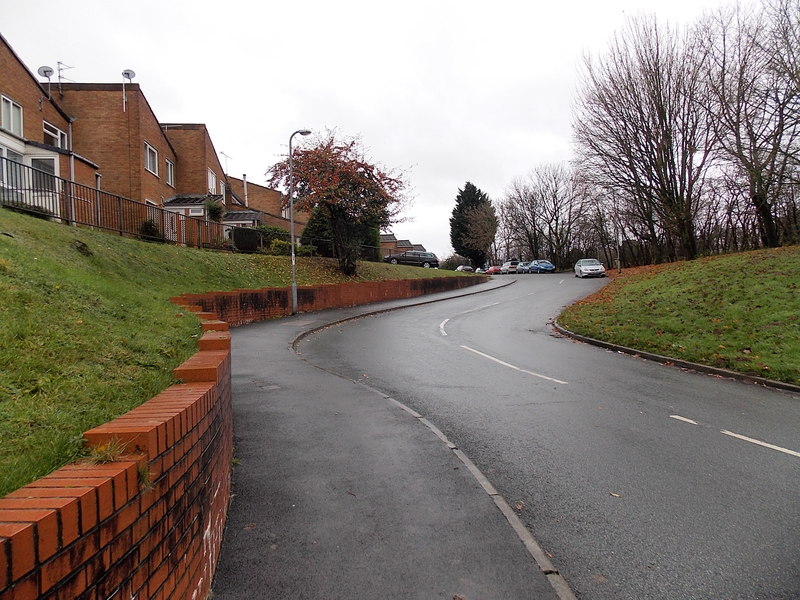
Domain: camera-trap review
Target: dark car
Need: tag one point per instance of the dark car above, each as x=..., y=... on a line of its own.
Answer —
x=415, y=258
x=541, y=266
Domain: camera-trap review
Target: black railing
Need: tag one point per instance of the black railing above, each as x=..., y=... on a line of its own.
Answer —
x=43, y=194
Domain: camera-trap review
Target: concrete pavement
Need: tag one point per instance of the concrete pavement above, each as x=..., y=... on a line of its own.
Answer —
x=341, y=492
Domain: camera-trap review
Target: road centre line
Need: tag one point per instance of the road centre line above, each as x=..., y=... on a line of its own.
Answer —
x=760, y=443
x=443, y=323
x=684, y=419
x=510, y=366
x=479, y=308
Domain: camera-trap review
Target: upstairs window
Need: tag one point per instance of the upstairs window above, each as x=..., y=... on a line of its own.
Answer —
x=54, y=136
x=212, y=182
x=11, y=119
x=150, y=159
x=170, y=173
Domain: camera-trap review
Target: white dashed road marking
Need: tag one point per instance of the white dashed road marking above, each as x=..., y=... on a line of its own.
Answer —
x=760, y=443
x=510, y=366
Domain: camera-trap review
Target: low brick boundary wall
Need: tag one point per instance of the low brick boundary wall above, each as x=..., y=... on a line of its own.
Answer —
x=249, y=306
x=150, y=524
x=146, y=526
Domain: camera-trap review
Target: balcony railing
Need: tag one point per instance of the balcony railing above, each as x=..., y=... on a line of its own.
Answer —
x=43, y=194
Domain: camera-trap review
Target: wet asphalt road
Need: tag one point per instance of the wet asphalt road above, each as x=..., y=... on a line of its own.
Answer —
x=618, y=466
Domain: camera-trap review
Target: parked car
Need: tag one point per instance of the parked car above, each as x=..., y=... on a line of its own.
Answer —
x=523, y=267
x=509, y=267
x=494, y=270
x=413, y=257
x=480, y=270
x=464, y=268
x=589, y=267
x=541, y=266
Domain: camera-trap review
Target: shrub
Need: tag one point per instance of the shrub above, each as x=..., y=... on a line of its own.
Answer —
x=214, y=210
x=149, y=231
x=245, y=239
x=280, y=248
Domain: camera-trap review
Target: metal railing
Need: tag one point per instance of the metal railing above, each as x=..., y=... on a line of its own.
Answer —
x=43, y=194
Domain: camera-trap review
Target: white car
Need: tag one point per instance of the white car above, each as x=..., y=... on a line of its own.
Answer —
x=509, y=267
x=589, y=267
x=465, y=268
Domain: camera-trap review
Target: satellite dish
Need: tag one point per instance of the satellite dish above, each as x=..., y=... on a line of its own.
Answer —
x=45, y=71
x=128, y=74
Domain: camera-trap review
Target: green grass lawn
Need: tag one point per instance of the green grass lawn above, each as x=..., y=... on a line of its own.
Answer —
x=88, y=331
x=739, y=312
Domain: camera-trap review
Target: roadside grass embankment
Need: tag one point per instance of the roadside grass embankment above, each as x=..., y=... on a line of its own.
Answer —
x=87, y=331
x=739, y=312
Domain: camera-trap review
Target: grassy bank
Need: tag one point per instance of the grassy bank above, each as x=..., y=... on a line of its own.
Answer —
x=88, y=332
x=739, y=312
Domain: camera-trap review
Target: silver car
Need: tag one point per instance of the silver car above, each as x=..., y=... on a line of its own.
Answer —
x=589, y=267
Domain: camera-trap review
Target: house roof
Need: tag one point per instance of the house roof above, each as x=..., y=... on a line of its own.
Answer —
x=388, y=237
x=242, y=215
x=191, y=199
x=419, y=247
x=404, y=244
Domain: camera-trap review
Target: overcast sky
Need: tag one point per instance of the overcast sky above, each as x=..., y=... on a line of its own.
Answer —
x=449, y=91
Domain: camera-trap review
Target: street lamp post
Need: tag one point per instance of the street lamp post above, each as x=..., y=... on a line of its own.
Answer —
x=291, y=218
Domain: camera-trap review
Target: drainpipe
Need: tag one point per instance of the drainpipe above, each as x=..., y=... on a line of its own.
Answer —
x=73, y=220
x=244, y=182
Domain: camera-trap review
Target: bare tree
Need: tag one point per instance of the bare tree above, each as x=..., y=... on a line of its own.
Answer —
x=481, y=228
x=561, y=199
x=640, y=128
x=523, y=218
x=753, y=106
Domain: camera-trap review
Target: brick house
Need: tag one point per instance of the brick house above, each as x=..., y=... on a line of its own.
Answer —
x=268, y=201
x=36, y=131
x=391, y=245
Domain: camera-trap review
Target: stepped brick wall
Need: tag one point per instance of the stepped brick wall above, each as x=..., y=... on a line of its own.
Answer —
x=150, y=524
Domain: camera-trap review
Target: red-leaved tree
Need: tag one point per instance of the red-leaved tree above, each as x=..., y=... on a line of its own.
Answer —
x=356, y=195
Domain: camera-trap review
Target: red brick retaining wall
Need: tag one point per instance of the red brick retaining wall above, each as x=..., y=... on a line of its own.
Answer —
x=150, y=524
x=147, y=526
x=248, y=306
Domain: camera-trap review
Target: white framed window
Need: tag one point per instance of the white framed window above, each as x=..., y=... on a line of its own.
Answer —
x=212, y=182
x=170, y=173
x=196, y=212
x=9, y=174
x=11, y=116
x=46, y=180
x=150, y=159
x=54, y=136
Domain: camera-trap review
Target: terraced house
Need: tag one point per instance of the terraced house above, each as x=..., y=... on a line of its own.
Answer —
x=106, y=137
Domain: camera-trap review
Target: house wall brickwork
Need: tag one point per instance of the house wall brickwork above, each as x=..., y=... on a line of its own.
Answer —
x=115, y=138
x=38, y=104
x=196, y=154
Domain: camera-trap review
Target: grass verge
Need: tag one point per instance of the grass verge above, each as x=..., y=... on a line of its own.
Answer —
x=88, y=331
x=739, y=312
